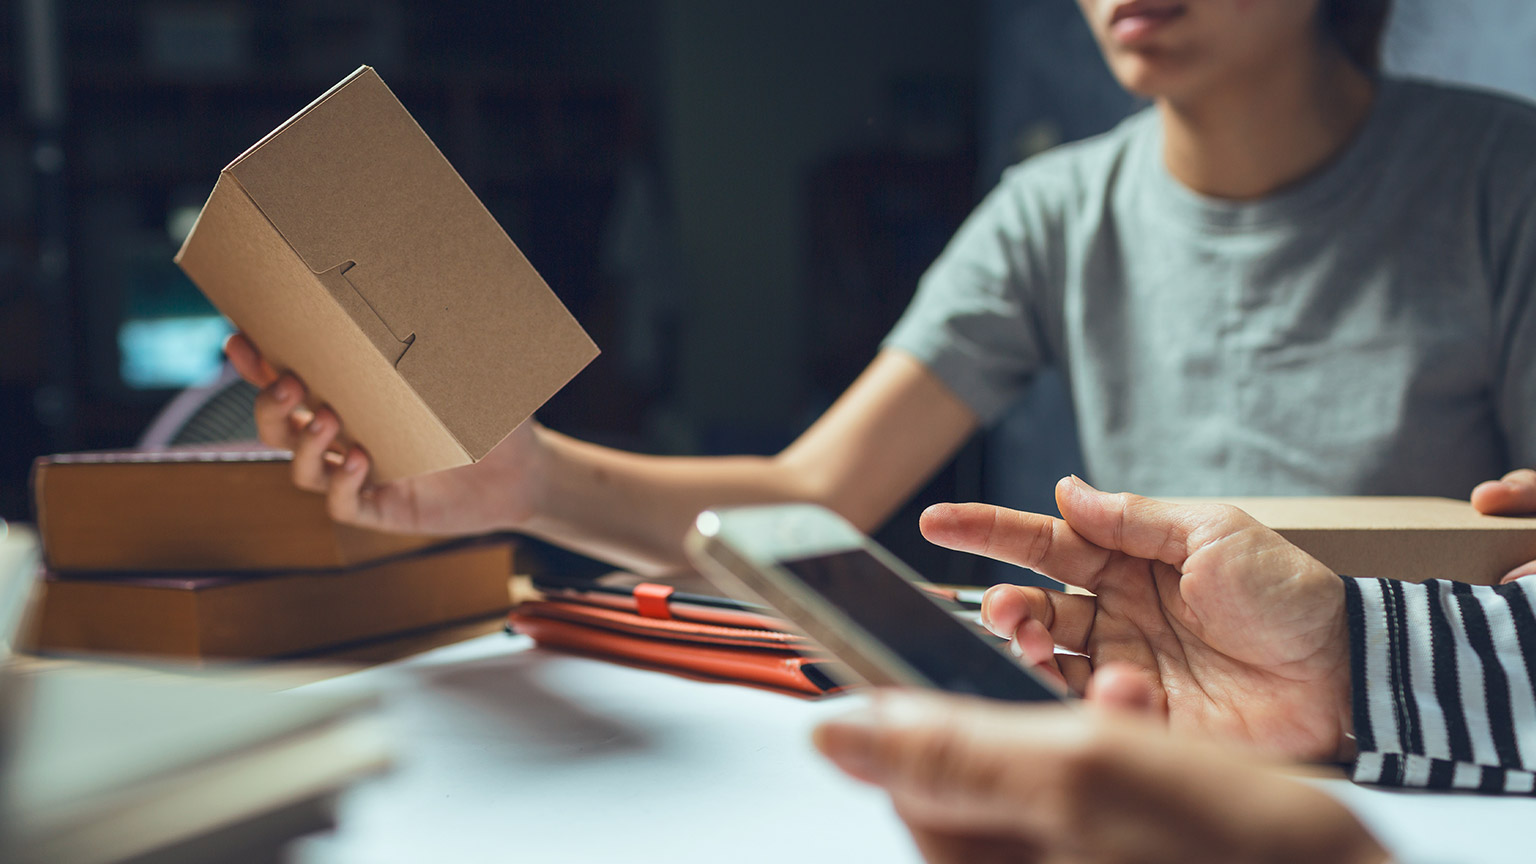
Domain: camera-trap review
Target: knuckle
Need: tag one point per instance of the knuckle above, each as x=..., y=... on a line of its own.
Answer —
x=1041, y=539
x=1231, y=517
x=989, y=533
x=1218, y=521
x=1230, y=512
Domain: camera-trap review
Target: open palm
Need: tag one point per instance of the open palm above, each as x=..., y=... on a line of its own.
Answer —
x=1225, y=626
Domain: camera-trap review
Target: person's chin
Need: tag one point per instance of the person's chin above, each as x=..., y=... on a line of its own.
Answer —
x=1141, y=78
x=1150, y=76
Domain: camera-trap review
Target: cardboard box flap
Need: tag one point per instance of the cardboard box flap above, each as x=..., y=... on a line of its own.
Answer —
x=374, y=210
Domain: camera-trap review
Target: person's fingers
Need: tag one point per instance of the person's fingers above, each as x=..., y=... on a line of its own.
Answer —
x=343, y=499
x=1033, y=645
x=1068, y=617
x=1144, y=527
x=1126, y=688
x=309, y=462
x=1525, y=569
x=962, y=765
x=274, y=409
x=1078, y=784
x=943, y=847
x=1512, y=494
x=242, y=355
x=1076, y=670
x=1041, y=543
x=1004, y=607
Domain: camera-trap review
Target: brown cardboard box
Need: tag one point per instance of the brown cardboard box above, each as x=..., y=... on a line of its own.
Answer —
x=352, y=253
x=1398, y=538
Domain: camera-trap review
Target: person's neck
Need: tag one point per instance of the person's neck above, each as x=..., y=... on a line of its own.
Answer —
x=1253, y=136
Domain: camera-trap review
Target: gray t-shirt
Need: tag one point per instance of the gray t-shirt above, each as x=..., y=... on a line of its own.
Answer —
x=1369, y=330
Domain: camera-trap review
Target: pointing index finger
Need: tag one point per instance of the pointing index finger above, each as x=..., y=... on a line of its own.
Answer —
x=1040, y=543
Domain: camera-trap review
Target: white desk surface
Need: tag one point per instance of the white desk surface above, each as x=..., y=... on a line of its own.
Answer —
x=505, y=752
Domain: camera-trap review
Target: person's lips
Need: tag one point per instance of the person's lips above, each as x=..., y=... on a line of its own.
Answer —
x=1137, y=21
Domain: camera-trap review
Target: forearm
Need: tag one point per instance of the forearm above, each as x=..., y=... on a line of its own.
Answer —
x=893, y=428
x=1443, y=694
x=633, y=510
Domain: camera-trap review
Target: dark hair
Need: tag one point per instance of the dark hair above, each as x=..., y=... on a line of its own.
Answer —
x=1357, y=26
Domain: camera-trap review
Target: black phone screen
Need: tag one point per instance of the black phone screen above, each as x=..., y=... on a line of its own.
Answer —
x=940, y=647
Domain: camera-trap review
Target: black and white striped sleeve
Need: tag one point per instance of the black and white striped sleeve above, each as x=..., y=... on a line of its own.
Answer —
x=1443, y=695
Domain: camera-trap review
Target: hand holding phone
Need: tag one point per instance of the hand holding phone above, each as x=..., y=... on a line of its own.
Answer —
x=857, y=600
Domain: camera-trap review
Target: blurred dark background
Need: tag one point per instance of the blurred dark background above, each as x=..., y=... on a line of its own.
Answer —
x=736, y=200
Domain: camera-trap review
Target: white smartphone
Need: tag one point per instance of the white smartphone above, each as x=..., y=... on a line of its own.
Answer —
x=856, y=599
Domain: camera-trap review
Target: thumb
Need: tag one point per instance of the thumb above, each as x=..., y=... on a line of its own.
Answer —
x=1511, y=495
x=955, y=763
x=1523, y=570
x=1144, y=527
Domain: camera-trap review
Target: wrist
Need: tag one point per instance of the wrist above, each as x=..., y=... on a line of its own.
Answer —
x=1343, y=696
x=514, y=477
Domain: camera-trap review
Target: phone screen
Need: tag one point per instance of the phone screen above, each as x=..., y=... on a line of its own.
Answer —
x=930, y=639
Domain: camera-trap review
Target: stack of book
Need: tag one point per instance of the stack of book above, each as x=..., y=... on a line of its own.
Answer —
x=107, y=763
x=215, y=554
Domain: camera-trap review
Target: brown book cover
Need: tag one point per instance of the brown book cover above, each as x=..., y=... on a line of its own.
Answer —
x=272, y=615
x=193, y=510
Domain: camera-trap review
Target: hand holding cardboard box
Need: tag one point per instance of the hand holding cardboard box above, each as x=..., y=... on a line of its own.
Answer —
x=354, y=255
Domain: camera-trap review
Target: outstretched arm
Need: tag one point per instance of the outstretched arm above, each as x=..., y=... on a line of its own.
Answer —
x=873, y=448
x=895, y=426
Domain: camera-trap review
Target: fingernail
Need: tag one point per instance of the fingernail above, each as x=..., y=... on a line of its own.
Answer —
x=1015, y=648
x=987, y=600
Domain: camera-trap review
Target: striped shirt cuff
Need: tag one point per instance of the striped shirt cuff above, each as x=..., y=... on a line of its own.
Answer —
x=1443, y=695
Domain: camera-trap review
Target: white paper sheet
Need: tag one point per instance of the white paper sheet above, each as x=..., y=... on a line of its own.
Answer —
x=509, y=753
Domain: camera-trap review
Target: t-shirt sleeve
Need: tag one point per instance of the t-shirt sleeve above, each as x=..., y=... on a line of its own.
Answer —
x=980, y=318
x=1443, y=694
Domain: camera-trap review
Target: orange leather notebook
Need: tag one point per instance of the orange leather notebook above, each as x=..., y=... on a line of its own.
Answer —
x=653, y=626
